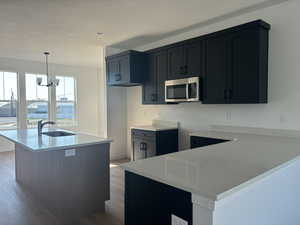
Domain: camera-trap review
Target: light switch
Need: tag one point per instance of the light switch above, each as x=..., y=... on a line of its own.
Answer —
x=178, y=221
x=70, y=152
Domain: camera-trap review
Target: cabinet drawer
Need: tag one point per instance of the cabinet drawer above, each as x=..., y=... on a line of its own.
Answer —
x=136, y=133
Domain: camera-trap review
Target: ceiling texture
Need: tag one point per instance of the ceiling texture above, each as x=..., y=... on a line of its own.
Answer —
x=68, y=28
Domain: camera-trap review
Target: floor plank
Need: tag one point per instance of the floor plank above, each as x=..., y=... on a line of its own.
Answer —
x=18, y=207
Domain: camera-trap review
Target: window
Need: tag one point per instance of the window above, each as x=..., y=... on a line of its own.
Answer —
x=36, y=100
x=65, y=101
x=8, y=100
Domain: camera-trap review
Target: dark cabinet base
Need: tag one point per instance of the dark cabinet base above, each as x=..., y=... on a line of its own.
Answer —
x=197, y=142
x=146, y=143
x=148, y=202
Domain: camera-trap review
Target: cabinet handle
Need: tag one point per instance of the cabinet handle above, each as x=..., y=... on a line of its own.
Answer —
x=118, y=77
x=133, y=154
x=143, y=146
x=153, y=97
x=181, y=70
x=145, y=150
x=230, y=94
x=225, y=94
x=185, y=69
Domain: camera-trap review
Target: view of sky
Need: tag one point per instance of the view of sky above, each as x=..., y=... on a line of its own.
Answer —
x=37, y=97
x=8, y=87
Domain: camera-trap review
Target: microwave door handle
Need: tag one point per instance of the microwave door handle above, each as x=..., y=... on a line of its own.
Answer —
x=166, y=97
x=187, y=92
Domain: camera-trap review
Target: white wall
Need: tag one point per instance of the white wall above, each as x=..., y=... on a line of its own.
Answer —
x=117, y=123
x=88, y=86
x=283, y=109
x=117, y=116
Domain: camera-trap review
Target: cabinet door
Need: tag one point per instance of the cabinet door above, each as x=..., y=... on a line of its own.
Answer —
x=162, y=70
x=244, y=71
x=124, y=63
x=150, y=82
x=215, y=77
x=193, y=59
x=197, y=142
x=176, y=63
x=138, y=149
x=112, y=70
x=143, y=148
x=154, y=85
x=148, y=202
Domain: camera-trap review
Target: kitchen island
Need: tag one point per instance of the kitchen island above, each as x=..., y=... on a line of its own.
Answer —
x=253, y=178
x=68, y=174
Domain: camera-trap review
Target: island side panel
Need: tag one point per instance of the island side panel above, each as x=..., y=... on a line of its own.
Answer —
x=71, y=187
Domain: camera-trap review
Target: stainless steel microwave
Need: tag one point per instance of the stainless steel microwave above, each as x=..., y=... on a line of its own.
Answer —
x=182, y=90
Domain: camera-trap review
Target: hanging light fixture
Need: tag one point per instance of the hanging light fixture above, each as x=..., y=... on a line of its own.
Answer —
x=50, y=82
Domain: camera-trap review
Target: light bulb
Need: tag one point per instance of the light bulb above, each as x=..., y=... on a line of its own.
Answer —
x=39, y=80
x=56, y=82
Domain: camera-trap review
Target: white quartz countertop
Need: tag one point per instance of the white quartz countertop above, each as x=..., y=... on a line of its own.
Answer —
x=217, y=171
x=29, y=138
x=154, y=127
x=158, y=125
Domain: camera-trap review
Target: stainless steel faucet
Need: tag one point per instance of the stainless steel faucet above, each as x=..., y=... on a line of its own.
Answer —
x=41, y=125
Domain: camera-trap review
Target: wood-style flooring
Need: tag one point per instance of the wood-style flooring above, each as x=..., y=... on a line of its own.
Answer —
x=18, y=207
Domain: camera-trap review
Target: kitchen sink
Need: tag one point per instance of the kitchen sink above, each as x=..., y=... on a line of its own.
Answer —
x=57, y=133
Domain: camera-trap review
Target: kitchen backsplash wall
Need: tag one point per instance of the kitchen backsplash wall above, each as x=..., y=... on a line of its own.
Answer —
x=281, y=112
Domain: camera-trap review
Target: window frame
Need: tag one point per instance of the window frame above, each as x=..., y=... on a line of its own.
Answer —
x=25, y=103
x=21, y=101
x=17, y=101
x=75, y=121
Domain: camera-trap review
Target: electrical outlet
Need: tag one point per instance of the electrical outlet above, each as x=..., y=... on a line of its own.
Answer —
x=70, y=152
x=178, y=221
x=282, y=119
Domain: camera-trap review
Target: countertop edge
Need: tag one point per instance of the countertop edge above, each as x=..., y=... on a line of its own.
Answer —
x=124, y=167
x=222, y=195
x=68, y=146
x=153, y=129
x=104, y=141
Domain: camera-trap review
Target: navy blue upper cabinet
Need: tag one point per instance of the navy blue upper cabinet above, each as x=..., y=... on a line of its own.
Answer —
x=154, y=83
x=236, y=65
x=216, y=70
x=232, y=65
x=193, y=56
x=185, y=60
x=126, y=69
x=176, y=62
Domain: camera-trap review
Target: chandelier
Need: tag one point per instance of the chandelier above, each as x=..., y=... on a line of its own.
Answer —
x=50, y=81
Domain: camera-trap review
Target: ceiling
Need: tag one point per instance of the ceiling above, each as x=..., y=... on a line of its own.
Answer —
x=67, y=28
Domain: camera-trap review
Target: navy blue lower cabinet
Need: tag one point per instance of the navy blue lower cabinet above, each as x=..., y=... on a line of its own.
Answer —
x=197, y=142
x=147, y=143
x=148, y=202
